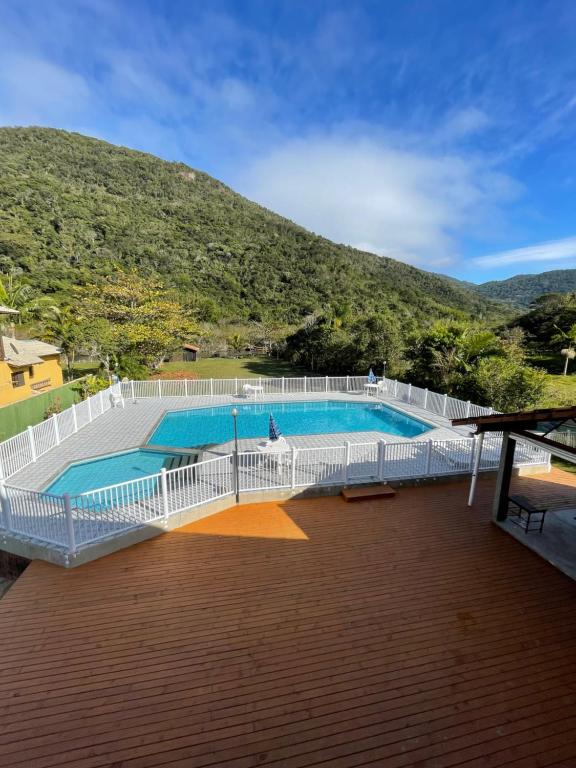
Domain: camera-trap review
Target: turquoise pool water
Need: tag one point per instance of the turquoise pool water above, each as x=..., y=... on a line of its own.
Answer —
x=109, y=470
x=202, y=426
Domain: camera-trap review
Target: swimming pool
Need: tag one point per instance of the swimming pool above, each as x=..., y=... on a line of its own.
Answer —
x=109, y=470
x=204, y=426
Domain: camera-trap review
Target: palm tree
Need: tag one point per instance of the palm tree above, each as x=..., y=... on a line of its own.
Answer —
x=568, y=353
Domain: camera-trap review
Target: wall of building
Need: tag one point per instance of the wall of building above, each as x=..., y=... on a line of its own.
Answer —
x=49, y=371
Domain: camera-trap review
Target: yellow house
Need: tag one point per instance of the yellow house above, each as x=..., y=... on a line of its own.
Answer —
x=27, y=367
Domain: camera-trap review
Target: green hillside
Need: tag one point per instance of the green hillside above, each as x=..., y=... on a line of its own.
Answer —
x=521, y=290
x=74, y=208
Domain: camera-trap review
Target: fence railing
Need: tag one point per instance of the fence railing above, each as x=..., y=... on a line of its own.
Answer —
x=72, y=522
x=23, y=449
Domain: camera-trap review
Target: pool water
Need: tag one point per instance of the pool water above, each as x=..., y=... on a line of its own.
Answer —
x=109, y=470
x=204, y=426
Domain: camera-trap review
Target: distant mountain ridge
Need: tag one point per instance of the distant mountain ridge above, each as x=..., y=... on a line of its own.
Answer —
x=521, y=290
x=73, y=209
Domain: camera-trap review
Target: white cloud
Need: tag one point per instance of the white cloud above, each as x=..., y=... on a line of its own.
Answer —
x=407, y=204
x=553, y=250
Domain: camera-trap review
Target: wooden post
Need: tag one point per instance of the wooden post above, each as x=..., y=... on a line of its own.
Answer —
x=500, y=507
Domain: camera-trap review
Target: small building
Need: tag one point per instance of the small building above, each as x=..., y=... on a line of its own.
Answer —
x=190, y=353
x=27, y=367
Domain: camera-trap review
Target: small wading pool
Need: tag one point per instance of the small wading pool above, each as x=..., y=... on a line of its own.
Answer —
x=204, y=426
x=109, y=470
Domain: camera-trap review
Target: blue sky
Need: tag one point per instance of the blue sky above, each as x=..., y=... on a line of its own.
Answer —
x=438, y=132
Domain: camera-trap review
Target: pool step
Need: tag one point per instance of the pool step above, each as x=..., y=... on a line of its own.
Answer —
x=367, y=492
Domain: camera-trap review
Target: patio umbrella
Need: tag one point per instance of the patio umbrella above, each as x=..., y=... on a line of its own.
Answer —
x=371, y=377
x=273, y=431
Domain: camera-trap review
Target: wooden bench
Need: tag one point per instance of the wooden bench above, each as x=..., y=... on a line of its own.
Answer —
x=520, y=512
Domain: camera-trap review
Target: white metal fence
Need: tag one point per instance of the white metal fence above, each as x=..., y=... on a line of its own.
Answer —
x=23, y=449
x=74, y=522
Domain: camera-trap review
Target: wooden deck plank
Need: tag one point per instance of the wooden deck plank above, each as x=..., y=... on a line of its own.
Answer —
x=304, y=633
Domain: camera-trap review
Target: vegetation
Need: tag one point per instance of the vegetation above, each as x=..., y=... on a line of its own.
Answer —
x=231, y=368
x=522, y=290
x=74, y=210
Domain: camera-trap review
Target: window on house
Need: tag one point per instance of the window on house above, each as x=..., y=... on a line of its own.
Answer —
x=31, y=372
x=18, y=379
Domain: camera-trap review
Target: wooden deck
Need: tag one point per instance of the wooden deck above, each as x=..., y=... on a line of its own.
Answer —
x=307, y=633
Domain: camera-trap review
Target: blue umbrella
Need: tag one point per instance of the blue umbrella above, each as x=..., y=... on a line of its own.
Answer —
x=371, y=377
x=273, y=431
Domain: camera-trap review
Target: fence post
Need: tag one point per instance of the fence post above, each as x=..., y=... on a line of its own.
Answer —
x=101, y=401
x=74, y=417
x=1, y=470
x=395, y=387
x=56, y=430
x=445, y=404
x=346, y=469
x=159, y=388
x=472, y=452
x=326, y=387
x=185, y=387
x=283, y=385
x=467, y=408
x=69, y=524
x=409, y=400
x=164, y=487
x=89, y=409
x=236, y=386
x=293, y=468
x=429, y=456
x=5, y=506
x=32, y=443
x=347, y=383
x=211, y=387
x=304, y=384
x=132, y=390
x=425, y=398
x=381, y=459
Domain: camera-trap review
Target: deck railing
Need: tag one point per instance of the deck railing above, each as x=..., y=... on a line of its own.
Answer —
x=72, y=522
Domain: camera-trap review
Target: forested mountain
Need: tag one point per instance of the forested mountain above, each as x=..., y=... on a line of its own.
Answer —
x=521, y=290
x=74, y=208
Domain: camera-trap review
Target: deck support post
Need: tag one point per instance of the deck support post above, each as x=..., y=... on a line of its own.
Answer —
x=32, y=443
x=500, y=508
x=69, y=524
x=476, y=467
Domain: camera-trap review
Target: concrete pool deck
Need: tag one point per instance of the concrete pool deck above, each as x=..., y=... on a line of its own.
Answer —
x=124, y=428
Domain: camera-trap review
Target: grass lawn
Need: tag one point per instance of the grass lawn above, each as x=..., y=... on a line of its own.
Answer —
x=231, y=368
x=561, y=390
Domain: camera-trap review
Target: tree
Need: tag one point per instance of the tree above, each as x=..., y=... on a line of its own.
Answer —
x=63, y=329
x=507, y=385
x=146, y=321
x=568, y=353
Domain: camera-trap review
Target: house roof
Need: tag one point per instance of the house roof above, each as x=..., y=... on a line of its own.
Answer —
x=191, y=347
x=288, y=634
x=22, y=352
